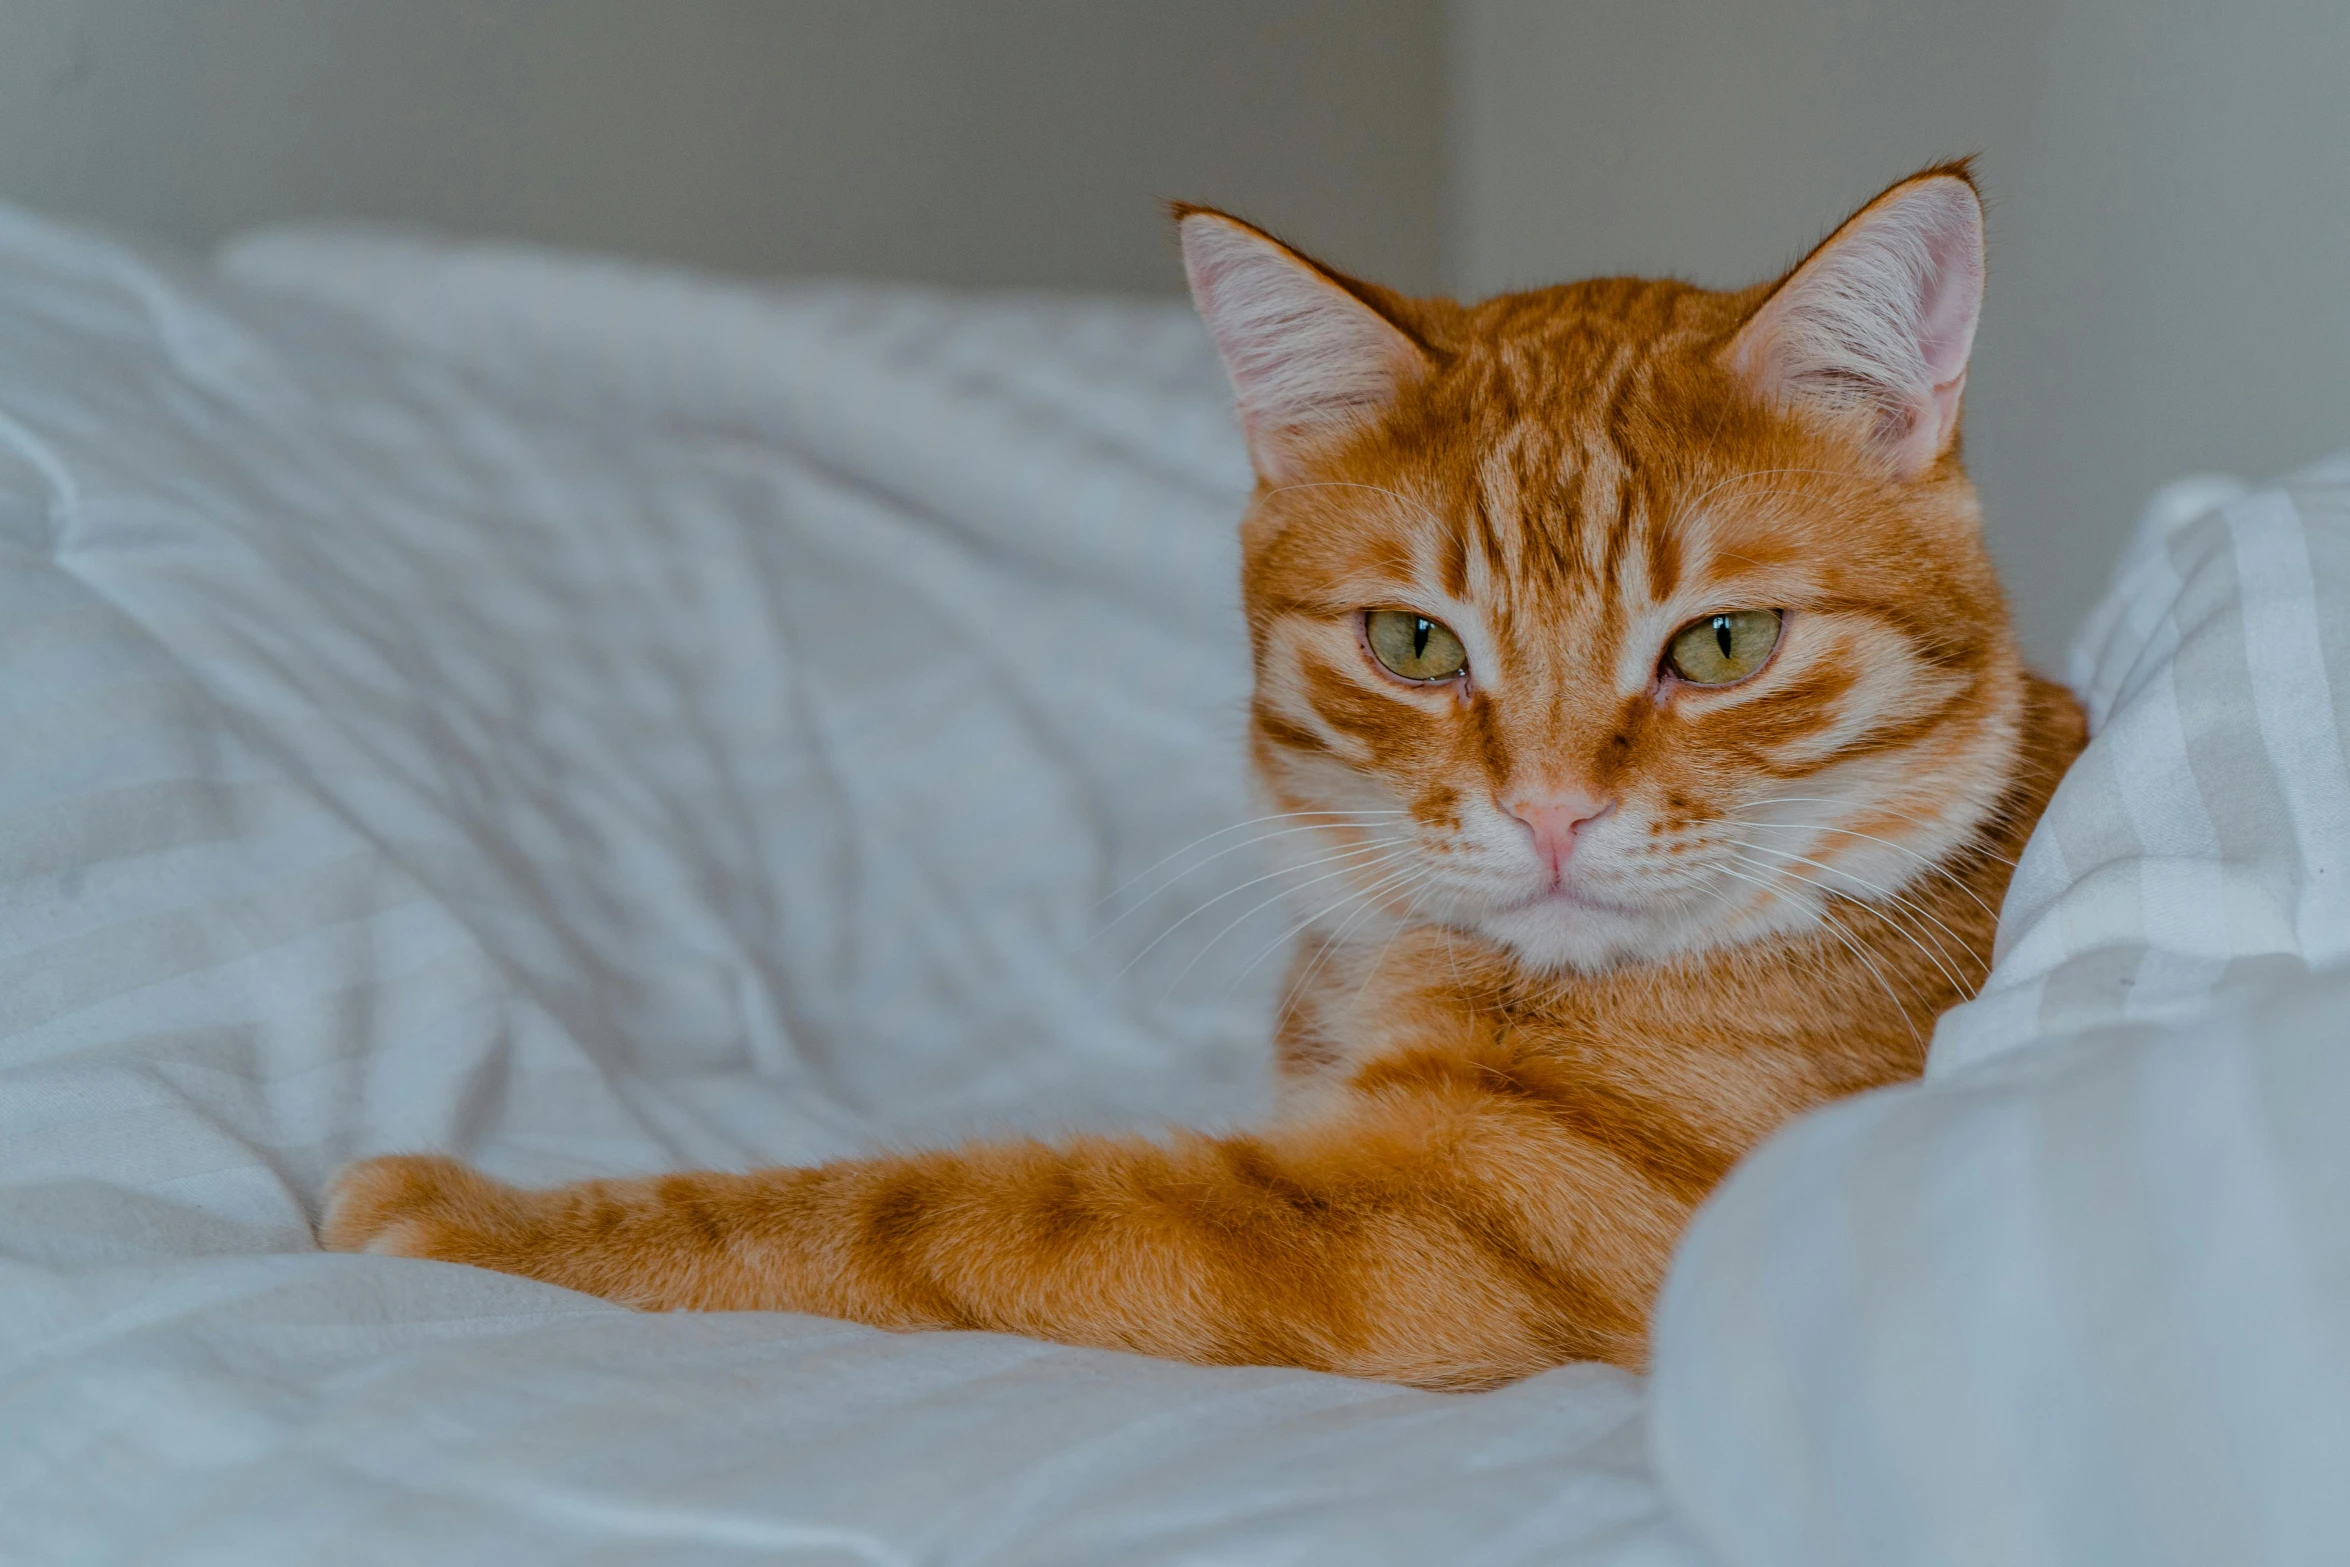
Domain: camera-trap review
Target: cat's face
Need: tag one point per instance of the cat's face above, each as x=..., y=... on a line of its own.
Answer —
x=1620, y=620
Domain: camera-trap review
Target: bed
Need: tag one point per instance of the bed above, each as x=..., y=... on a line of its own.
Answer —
x=590, y=718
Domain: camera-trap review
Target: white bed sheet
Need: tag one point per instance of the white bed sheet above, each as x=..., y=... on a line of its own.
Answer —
x=588, y=719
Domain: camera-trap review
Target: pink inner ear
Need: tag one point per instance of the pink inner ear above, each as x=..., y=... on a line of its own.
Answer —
x=1950, y=300
x=1883, y=314
x=1306, y=358
x=1951, y=292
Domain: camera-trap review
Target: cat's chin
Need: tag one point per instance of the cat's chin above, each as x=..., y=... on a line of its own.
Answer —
x=1565, y=930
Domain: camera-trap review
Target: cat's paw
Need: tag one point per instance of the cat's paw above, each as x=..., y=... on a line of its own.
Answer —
x=414, y=1205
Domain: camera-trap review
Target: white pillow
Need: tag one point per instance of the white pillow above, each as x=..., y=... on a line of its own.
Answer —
x=2084, y=1295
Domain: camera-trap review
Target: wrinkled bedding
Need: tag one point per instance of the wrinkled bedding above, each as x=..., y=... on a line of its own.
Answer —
x=588, y=721
x=588, y=718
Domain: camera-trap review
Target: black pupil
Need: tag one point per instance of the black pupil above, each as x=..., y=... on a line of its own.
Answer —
x=1722, y=634
x=1420, y=630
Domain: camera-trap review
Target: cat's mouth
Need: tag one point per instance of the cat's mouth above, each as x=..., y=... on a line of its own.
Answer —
x=1564, y=896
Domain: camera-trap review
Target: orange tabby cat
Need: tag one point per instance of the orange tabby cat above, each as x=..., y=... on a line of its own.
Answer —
x=1638, y=647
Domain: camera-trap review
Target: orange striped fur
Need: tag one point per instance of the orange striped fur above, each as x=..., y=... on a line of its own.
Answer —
x=1511, y=1071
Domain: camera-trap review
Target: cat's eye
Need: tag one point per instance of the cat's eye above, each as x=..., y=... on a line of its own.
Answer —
x=1413, y=646
x=1722, y=649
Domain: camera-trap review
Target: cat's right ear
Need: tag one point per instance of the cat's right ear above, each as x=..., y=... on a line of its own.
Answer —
x=1309, y=357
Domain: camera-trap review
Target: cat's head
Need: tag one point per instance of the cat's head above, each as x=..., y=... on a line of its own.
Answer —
x=1622, y=619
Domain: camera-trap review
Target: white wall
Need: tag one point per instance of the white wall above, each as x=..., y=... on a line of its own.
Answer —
x=2169, y=179
x=2169, y=190
x=1025, y=142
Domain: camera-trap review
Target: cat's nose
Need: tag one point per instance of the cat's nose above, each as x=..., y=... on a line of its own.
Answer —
x=1554, y=820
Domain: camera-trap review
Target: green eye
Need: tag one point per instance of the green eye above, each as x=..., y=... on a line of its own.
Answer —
x=1413, y=646
x=1724, y=648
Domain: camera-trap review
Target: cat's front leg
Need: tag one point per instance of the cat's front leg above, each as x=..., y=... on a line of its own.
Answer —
x=1399, y=1240
x=693, y=1241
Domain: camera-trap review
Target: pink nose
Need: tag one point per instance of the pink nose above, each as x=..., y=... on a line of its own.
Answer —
x=1554, y=819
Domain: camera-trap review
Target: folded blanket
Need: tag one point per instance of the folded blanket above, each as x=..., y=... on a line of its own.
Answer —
x=2084, y=1295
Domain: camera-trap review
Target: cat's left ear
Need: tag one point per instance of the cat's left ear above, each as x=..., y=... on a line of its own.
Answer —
x=1310, y=355
x=1877, y=323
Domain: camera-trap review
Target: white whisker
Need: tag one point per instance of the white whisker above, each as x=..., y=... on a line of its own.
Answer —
x=1403, y=922
x=1937, y=960
x=1295, y=990
x=1344, y=870
x=1933, y=865
x=1882, y=892
x=1291, y=870
x=1850, y=946
x=1293, y=932
x=1194, y=869
x=1914, y=821
x=1335, y=818
x=1819, y=965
